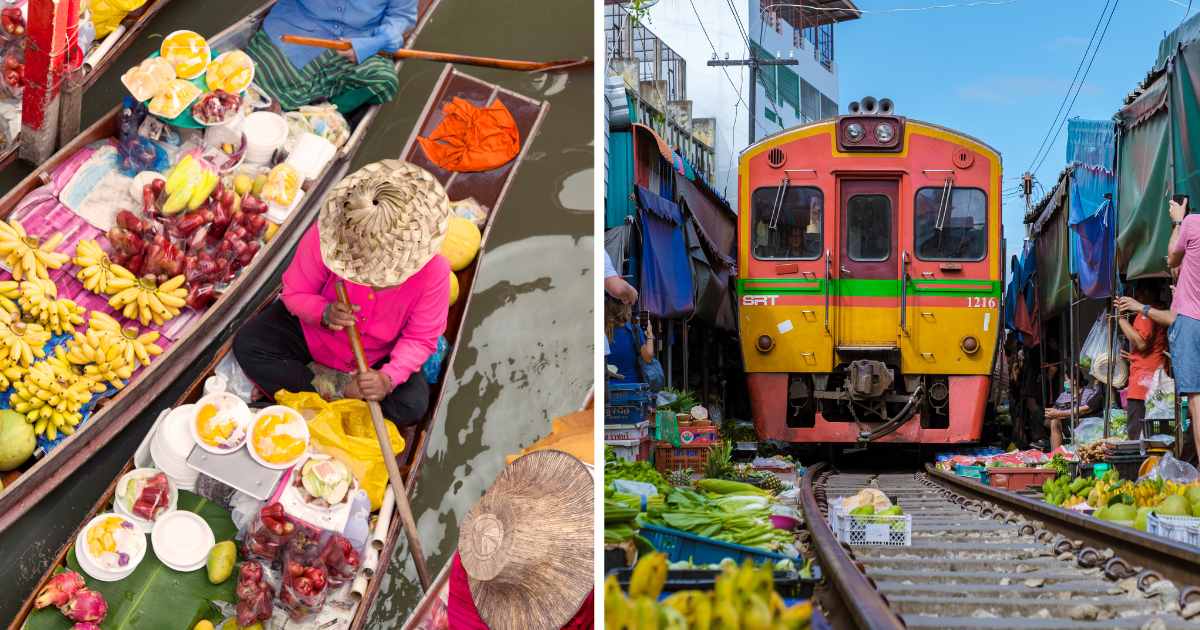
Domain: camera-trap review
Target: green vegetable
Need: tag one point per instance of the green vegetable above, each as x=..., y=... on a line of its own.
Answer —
x=723, y=486
x=863, y=510
x=892, y=511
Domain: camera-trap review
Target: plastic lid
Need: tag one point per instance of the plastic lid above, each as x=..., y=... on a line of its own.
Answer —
x=182, y=540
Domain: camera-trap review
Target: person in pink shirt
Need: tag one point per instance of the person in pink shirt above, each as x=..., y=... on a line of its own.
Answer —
x=379, y=234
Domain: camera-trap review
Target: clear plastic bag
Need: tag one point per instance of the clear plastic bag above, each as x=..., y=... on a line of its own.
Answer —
x=236, y=381
x=1160, y=396
x=1089, y=430
x=1095, y=343
x=1171, y=469
x=1099, y=350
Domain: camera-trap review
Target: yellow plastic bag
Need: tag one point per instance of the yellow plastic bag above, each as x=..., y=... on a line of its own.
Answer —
x=107, y=14
x=342, y=429
x=573, y=434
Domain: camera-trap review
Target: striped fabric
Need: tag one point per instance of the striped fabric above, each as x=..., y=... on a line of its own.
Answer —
x=329, y=76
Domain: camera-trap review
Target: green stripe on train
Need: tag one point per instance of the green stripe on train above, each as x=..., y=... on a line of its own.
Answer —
x=855, y=287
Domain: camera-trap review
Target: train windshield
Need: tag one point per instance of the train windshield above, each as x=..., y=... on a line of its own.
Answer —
x=869, y=227
x=950, y=227
x=788, y=223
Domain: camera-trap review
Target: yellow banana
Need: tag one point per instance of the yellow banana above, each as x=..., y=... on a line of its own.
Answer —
x=649, y=576
x=27, y=256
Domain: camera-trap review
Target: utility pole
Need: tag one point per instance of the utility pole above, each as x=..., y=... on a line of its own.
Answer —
x=754, y=62
x=1027, y=190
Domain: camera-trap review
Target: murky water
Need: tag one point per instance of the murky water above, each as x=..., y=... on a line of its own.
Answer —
x=525, y=355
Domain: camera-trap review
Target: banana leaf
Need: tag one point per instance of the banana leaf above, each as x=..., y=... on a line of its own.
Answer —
x=154, y=596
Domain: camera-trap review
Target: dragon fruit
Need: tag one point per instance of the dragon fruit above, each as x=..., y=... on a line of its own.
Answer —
x=59, y=590
x=85, y=605
x=86, y=625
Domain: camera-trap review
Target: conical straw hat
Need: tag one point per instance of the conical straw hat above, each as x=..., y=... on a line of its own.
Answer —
x=383, y=223
x=527, y=545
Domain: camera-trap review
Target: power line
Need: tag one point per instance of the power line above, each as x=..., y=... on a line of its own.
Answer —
x=737, y=20
x=1070, y=87
x=737, y=89
x=1095, y=53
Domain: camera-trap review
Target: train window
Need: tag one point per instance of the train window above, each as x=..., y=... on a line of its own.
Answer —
x=791, y=228
x=869, y=227
x=950, y=231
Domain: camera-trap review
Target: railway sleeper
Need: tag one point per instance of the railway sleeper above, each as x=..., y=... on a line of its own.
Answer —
x=1082, y=609
x=1136, y=622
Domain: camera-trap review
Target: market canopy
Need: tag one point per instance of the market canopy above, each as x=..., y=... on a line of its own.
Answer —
x=1143, y=227
x=1053, y=249
x=666, y=277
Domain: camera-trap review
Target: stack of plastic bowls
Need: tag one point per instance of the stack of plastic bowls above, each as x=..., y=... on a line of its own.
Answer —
x=171, y=445
x=93, y=567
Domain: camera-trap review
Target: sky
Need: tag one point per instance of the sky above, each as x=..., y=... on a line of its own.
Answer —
x=999, y=73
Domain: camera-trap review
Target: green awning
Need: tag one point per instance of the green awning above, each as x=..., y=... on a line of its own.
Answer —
x=1185, y=121
x=1053, y=251
x=1143, y=227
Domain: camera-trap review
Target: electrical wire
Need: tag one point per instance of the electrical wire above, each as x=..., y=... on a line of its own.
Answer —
x=737, y=89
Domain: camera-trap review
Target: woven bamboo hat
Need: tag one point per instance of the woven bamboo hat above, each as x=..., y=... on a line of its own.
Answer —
x=383, y=223
x=527, y=544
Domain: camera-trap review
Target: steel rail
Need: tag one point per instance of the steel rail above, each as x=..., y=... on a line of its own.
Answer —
x=1175, y=561
x=867, y=607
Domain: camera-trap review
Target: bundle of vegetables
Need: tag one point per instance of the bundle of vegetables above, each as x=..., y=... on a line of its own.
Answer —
x=654, y=502
x=1059, y=464
x=741, y=516
x=742, y=597
x=1068, y=492
x=620, y=522
x=616, y=468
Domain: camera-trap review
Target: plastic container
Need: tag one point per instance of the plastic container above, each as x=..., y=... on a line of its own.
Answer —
x=225, y=132
x=971, y=472
x=632, y=450
x=277, y=214
x=310, y=155
x=1182, y=529
x=624, y=414
x=171, y=445
x=1127, y=466
x=636, y=431
x=122, y=497
x=698, y=435
x=873, y=529
x=215, y=384
x=785, y=522
x=229, y=407
x=265, y=133
x=261, y=542
x=182, y=540
x=668, y=458
x=680, y=546
x=1017, y=479
x=98, y=568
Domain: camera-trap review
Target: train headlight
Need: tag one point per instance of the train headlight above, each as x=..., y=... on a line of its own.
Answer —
x=970, y=345
x=855, y=132
x=884, y=132
x=764, y=343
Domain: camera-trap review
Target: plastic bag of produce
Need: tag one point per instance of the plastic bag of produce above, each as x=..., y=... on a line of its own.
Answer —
x=1096, y=343
x=342, y=429
x=1089, y=430
x=1171, y=469
x=107, y=14
x=1160, y=396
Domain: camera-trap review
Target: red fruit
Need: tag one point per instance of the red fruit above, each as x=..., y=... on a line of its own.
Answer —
x=134, y=264
x=158, y=185
x=85, y=605
x=250, y=571
x=246, y=615
x=59, y=589
x=130, y=221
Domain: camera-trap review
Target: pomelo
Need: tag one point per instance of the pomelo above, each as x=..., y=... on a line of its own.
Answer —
x=1139, y=522
x=1193, y=494
x=17, y=440
x=1174, y=505
x=1121, y=512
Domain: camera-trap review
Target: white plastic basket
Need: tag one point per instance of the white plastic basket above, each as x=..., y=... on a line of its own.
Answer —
x=873, y=529
x=639, y=431
x=1184, y=529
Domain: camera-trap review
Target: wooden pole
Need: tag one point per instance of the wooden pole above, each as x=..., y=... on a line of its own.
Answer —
x=45, y=59
x=428, y=55
x=385, y=442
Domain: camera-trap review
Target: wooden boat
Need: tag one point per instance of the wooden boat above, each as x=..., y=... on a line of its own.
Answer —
x=204, y=330
x=102, y=56
x=489, y=189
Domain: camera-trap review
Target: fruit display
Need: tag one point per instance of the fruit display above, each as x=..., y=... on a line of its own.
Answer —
x=113, y=542
x=303, y=591
x=188, y=52
x=22, y=343
x=340, y=559
x=189, y=183
x=27, y=256
x=268, y=534
x=39, y=301
x=149, y=78
x=255, y=596
x=12, y=21
x=59, y=590
x=325, y=481
x=135, y=346
x=216, y=107
x=17, y=440
x=283, y=182
x=231, y=72
x=87, y=608
x=278, y=436
x=1125, y=502
x=144, y=494
x=147, y=301
x=96, y=269
x=14, y=72
x=742, y=597
x=221, y=421
x=51, y=394
x=462, y=242
x=176, y=97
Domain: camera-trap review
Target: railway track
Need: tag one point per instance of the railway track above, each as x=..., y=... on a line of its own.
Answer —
x=989, y=561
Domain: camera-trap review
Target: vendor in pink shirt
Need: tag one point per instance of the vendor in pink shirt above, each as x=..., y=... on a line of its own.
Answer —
x=379, y=233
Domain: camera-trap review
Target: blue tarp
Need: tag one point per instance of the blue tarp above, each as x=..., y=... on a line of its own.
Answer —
x=666, y=278
x=1093, y=235
x=1092, y=142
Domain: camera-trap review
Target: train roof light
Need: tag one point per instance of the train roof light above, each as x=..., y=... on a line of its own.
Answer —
x=855, y=132
x=884, y=133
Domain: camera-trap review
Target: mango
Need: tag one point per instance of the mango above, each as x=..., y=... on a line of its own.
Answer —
x=220, y=562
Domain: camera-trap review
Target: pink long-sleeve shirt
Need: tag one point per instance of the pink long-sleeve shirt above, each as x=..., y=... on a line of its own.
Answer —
x=401, y=322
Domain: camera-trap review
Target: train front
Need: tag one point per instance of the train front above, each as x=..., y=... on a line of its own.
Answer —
x=869, y=264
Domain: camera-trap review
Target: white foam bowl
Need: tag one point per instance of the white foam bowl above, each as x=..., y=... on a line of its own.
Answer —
x=265, y=133
x=182, y=540
x=226, y=403
x=91, y=565
x=300, y=430
x=119, y=503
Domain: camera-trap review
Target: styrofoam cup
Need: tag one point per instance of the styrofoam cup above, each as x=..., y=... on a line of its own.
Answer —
x=265, y=133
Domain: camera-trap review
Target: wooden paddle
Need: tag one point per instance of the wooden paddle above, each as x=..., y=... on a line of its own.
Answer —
x=468, y=60
x=385, y=442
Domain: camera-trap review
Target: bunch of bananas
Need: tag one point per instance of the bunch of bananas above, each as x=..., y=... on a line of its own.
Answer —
x=147, y=301
x=21, y=343
x=96, y=271
x=39, y=301
x=743, y=597
x=102, y=357
x=25, y=256
x=51, y=393
x=135, y=345
x=10, y=372
x=10, y=292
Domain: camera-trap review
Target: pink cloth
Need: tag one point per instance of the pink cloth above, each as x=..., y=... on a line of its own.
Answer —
x=1187, y=290
x=402, y=322
x=460, y=607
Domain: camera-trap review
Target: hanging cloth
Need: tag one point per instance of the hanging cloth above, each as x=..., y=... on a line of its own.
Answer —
x=471, y=139
x=666, y=274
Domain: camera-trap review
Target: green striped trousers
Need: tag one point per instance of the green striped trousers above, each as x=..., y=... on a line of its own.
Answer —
x=330, y=76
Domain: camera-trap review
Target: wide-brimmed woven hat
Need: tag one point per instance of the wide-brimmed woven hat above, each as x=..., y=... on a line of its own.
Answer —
x=383, y=222
x=527, y=544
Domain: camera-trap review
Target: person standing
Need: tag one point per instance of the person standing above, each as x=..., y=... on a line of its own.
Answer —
x=1146, y=355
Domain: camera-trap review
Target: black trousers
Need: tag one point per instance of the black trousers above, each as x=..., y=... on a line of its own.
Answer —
x=1135, y=418
x=272, y=351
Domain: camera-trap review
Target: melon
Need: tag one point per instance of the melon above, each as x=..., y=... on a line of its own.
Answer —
x=462, y=243
x=1173, y=505
x=453, y=288
x=17, y=440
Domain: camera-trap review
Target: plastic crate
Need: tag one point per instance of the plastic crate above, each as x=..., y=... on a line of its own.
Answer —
x=871, y=529
x=1127, y=466
x=638, y=431
x=625, y=393
x=680, y=545
x=632, y=450
x=668, y=458
x=1184, y=529
x=789, y=584
x=1017, y=479
x=625, y=414
x=973, y=472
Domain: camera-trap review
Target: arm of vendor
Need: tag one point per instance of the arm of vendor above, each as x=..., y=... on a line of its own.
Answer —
x=369, y=25
x=399, y=325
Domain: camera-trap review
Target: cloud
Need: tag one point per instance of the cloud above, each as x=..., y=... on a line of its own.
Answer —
x=1067, y=42
x=1014, y=89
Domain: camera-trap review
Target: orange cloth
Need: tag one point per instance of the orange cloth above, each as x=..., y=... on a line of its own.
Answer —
x=472, y=139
